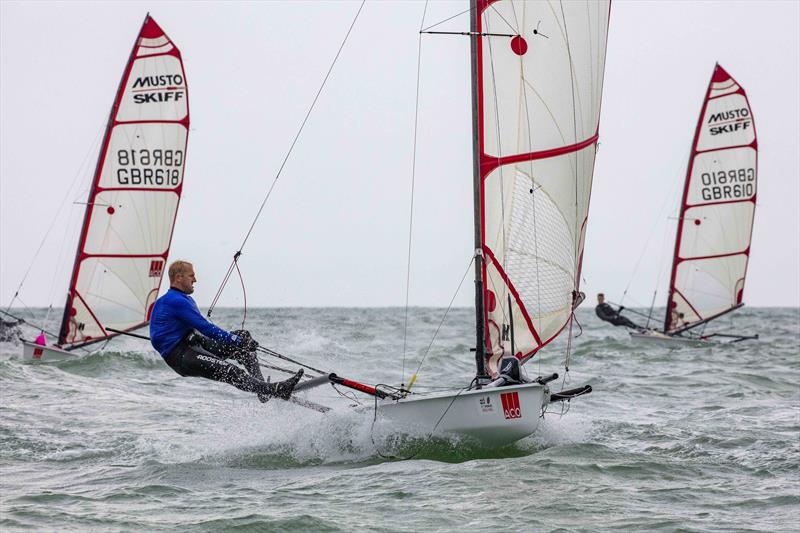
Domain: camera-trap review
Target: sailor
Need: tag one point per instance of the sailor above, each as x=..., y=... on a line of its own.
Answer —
x=9, y=329
x=606, y=312
x=194, y=347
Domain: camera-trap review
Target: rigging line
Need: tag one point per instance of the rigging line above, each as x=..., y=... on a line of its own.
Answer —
x=493, y=8
x=445, y=20
x=288, y=154
x=78, y=174
x=413, y=180
x=576, y=256
x=458, y=289
x=273, y=353
x=499, y=152
x=533, y=187
x=668, y=200
x=244, y=292
x=469, y=33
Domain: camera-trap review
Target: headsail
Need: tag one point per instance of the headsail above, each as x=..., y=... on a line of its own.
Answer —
x=539, y=95
x=134, y=197
x=716, y=217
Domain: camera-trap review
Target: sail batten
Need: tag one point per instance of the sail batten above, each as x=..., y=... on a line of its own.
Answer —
x=539, y=98
x=715, y=223
x=134, y=198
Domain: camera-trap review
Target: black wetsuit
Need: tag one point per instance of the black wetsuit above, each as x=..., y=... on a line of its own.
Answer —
x=606, y=312
x=200, y=356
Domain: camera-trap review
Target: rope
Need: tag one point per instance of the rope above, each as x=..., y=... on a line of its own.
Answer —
x=283, y=164
x=78, y=174
x=275, y=354
x=413, y=180
x=449, y=306
x=576, y=282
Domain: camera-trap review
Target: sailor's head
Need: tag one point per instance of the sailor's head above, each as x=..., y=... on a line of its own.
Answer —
x=181, y=276
x=601, y=297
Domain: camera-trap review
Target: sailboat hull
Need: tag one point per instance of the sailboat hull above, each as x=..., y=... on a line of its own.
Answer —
x=45, y=354
x=652, y=337
x=489, y=416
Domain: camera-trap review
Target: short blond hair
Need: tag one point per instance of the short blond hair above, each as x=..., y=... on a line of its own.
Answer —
x=177, y=267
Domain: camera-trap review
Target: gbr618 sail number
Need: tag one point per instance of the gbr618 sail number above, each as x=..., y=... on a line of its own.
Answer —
x=153, y=171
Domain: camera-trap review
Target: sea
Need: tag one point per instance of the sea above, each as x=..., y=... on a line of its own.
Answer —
x=695, y=439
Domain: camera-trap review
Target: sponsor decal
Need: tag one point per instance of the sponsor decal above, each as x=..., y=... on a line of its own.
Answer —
x=729, y=121
x=486, y=404
x=213, y=360
x=37, y=353
x=158, y=89
x=511, y=407
x=156, y=268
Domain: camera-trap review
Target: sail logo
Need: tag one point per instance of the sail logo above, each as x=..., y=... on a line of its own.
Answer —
x=486, y=405
x=511, y=408
x=156, y=268
x=729, y=121
x=156, y=89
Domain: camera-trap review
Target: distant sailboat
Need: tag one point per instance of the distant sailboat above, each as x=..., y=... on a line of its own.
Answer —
x=715, y=224
x=133, y=201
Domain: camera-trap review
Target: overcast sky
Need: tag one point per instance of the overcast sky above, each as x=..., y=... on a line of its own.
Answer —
x=335, y=231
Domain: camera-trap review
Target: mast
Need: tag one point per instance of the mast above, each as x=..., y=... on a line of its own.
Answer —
x=64, y=329
x=476, y=179
x=682, y=209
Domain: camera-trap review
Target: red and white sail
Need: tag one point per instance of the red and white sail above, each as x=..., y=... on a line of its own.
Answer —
x=134, y=197
x=716, y=216
x=539, y=94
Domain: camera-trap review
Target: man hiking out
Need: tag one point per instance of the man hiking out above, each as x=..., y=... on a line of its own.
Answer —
x=194, y=347
x=606, y=312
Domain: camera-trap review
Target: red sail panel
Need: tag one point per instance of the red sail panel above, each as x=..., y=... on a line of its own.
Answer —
x=715, y=224
x=539, y=95
x=127, y=228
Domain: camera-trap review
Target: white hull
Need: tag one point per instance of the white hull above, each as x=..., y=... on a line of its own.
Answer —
x=35, y=352
x=490, y=416
x=651, y=337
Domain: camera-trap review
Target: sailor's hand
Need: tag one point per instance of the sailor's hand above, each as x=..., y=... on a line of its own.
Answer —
x=246, y=340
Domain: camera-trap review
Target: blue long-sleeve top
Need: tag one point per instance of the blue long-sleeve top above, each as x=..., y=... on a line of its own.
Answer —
x=174, y=316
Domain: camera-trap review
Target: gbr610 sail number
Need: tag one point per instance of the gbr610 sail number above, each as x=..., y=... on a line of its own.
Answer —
x=728, y=184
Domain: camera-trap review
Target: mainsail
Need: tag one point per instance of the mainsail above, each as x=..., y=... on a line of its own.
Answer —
x=539, y=83
x=133, y=202
x=716, y=217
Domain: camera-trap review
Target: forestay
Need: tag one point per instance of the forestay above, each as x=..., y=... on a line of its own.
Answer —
x=716, y=217
x=134, y=197
x=539, y=93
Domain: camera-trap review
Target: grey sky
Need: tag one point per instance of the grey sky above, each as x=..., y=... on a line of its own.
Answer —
x=335, y=230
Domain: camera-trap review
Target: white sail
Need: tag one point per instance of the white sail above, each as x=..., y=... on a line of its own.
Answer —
x=134, y=198
x=539, y=93
x=716, y=217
